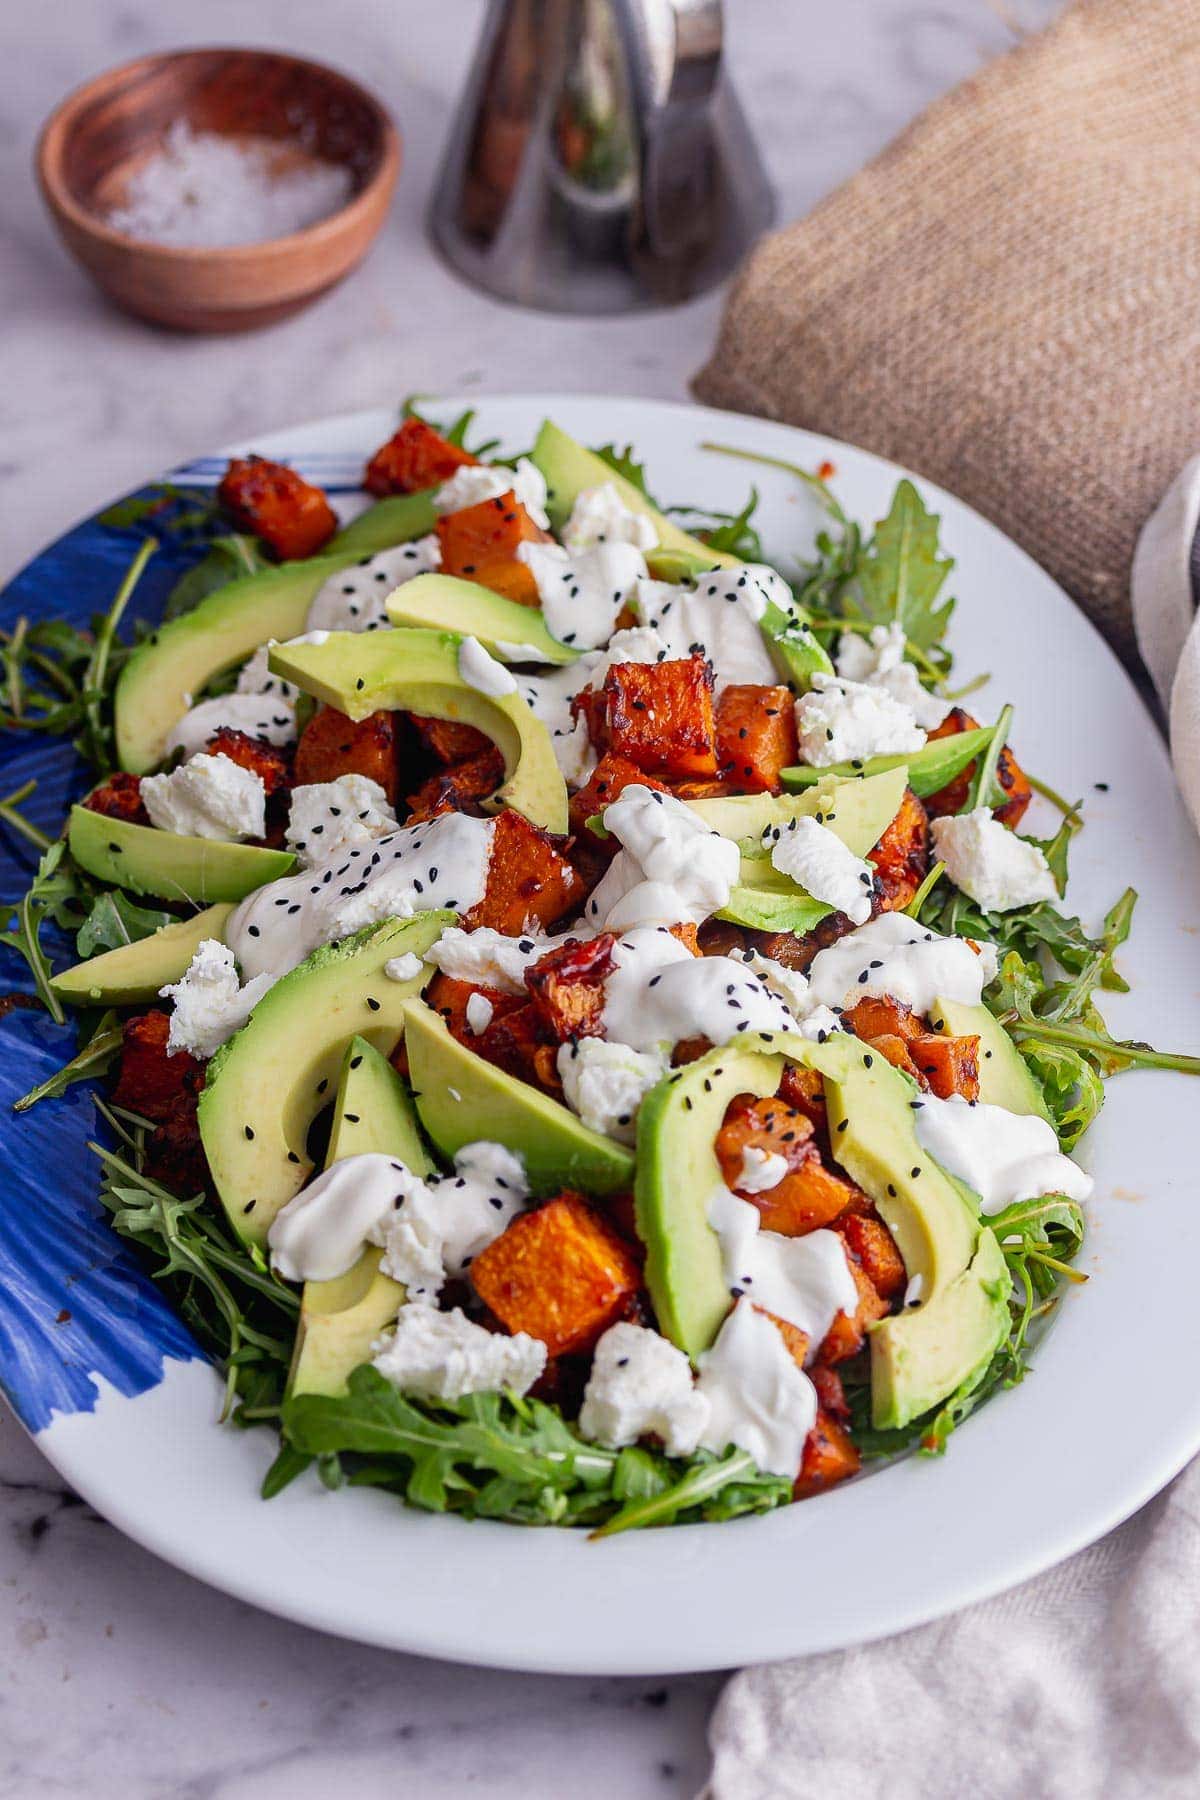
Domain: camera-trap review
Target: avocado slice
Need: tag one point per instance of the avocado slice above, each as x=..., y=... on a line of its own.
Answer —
x=461, y=1098
x=858, y=812
x=145, y=860
x=417, y=671
x=1005, y=1078
x=340, y=1319
x=268, y=1083
x=677, y=1171
x=965, y=1282
x=161, y=678
x=444, y=603
x=929, y=768
x=135, y=973
x=395, y=520
x=568, y=469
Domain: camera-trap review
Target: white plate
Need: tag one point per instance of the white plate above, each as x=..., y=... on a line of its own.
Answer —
x=1113, y=1408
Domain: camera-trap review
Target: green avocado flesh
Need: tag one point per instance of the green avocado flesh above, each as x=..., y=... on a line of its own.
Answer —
x=858, y=812
x=462, y=1099
x=677, y=1172
x=929, y=768
x=340, y=1319
x=137, y=972
x=444, y=603
x=874, y=1139
x=395, y=520
x=268, y=1083
x=1005, y=1078
x=417, y=671
x=568, y=469
x=144, y=860
x=162, y=677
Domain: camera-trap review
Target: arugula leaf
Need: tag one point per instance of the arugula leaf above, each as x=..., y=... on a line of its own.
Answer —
x=625, y=464
x=227, y=559
x=94, y=1058
x=732, y=534
x=114, y=920
x=1063, y=1014
x=503, y=1457
x=55, y=893
x=902, y=575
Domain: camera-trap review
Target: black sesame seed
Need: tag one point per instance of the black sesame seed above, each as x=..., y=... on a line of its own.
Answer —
x=374, y=1004
x=249, y=1131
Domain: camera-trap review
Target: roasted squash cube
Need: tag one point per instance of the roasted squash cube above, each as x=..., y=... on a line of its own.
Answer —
x=567, y=987
x=876, y=1017
x=947, y=1065
x=529, y=882
x=848, y=1333
x=809, y=1195
x=562, y=1274
x=277, y=505
x=480, y=543
x=462, y=788
x=611, y=776
x=660, y=717
x=830, y=1456
x=119, y=797
x=1009, y=775
x=416, y=457
x=901, y=857
x=756, y=737
x=869, y=1239
x=151, y=1081
x=449, y=997
x=450, y=740
x=332, y=745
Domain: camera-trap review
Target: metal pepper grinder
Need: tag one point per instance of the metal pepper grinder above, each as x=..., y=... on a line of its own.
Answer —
x=599, y=161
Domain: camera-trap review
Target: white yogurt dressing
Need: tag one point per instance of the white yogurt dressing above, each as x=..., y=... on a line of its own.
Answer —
x=482, y=672
x=758, y=1398
x=271, y=717
x=719, y=619
x=672, y=868
x=581, y=592
x=355, y=598
x=761, y=1170
x=323, y=1230
x=816, y=859
x=894, y=955
x=803, y=1280
x=659, y=994
x=420, y=868
x=1004, y=1157
x=473, y=483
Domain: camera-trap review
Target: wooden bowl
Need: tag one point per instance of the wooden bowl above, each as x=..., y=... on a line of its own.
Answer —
x=106, y=129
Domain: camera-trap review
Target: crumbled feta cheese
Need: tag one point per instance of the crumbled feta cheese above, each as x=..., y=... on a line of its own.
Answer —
x=1004, y=1157
x=443, y=1355
x=354, y=599
x=818, y=1024
x=718, y=618
x=604, y=1083
x=486, y=957
x=672, y=868
x=641, y=1385
x=879, y=661
x=481, y=671
x=848, y=721
x=210, y=1003
x=403, y=968
x=600, y=516
x=581, y=592
x=479, y=1013
x=441, y=1224
x=816, y=859
x=208, y=797
x=322, y=1231
x=271, y=717
x=894, y=955
x=328, y=818
x=998, y=869
x=761, y=1170
x=758, y=1398
x=473, y=483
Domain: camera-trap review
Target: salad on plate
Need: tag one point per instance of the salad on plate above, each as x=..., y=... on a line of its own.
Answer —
x=584, y=1037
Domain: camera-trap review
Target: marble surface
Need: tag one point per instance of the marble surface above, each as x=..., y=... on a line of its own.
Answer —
x=119, y=1675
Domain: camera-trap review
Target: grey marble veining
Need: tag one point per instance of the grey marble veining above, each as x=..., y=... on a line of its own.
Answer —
x=122, y=1676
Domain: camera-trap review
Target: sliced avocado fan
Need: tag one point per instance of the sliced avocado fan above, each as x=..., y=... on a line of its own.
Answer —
x=265, y=1086
x=510, y=633
x=144, y=860
x=417, y=671
x=174, y=665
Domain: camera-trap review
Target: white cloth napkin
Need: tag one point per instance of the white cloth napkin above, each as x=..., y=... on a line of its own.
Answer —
x=1086, y=1682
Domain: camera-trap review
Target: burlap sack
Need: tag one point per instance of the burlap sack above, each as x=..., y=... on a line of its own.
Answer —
x=1007, y=299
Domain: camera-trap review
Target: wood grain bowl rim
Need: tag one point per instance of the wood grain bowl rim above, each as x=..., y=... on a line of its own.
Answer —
x=358, y=210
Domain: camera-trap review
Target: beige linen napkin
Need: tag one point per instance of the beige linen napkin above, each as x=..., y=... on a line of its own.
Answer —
x=1008, y=298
